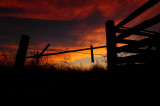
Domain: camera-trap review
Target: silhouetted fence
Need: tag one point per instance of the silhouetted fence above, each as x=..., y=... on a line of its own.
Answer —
x=145, y=54
x=146, y=51
x=21, y=55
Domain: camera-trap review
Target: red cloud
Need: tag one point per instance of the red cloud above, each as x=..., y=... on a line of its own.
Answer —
x=68, y=9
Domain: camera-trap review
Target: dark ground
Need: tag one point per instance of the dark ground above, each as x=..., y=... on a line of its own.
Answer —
x=133, y=86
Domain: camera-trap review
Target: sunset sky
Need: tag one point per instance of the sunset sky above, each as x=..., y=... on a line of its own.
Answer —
x=65, y=24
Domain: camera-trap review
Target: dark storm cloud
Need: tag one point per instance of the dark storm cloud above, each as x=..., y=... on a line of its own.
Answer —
x=59, y=33
x=11, y=10
x=38, y=30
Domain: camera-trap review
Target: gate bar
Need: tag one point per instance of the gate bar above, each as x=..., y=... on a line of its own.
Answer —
x=137, y=12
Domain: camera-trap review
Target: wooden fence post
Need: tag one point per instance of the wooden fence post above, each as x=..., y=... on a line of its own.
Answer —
x=111, y=45
x=21, y=53
x=92, y=56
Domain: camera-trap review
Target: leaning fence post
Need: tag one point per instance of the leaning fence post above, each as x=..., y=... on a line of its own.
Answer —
x=22, y=51
x=111, y=45
x=92, y=56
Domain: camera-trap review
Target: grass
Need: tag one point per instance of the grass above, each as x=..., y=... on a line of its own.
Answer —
x=66, y=81
x=7, y=63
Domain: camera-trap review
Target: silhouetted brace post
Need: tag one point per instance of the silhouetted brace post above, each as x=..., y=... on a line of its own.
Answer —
x=22, y=51
x=111, y=45
x=40, y=55
x=44, y=50
x=92, y=56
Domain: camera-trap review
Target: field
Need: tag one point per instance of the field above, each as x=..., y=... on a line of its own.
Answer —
x=134, y=86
